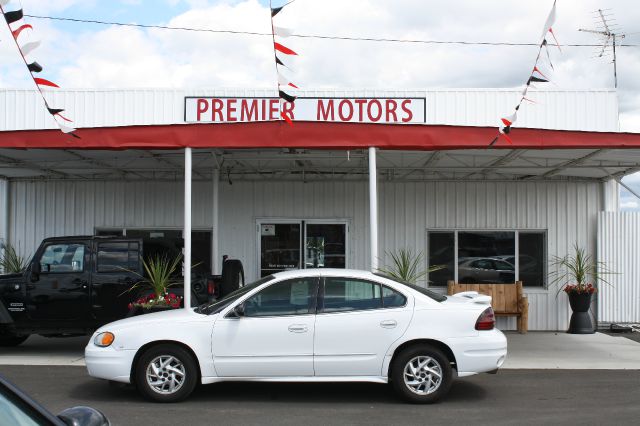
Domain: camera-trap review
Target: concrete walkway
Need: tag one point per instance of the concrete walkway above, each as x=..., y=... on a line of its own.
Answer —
x=534, y=350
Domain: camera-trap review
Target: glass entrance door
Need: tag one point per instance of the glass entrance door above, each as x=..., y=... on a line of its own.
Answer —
x=279, y=247
x=301, y=244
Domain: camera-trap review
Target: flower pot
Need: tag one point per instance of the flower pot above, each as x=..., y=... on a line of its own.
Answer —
x=580, y=322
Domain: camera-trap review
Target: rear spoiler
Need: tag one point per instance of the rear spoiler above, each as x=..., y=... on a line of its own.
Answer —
x=474, y=297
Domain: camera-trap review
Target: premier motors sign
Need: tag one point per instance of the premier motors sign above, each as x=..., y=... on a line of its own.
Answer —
x=348, y=110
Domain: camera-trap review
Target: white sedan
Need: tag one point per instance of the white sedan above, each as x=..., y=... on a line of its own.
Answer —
x=313, y=325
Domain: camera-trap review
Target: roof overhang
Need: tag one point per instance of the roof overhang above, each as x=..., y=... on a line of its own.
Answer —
x=314, y=135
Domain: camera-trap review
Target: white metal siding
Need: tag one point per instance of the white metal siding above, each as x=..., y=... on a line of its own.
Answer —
x=567, y=210
x=590, y=110
x=619, y=249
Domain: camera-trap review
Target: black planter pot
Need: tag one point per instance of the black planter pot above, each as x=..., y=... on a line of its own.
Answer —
x=580, y=320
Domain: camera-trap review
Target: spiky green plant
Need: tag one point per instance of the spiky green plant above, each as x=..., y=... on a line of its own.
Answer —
x=578, y=270
x=159, y=273
x=407, y=266
x=11, y=261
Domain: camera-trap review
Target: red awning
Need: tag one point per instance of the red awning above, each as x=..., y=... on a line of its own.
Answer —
x=325, y=135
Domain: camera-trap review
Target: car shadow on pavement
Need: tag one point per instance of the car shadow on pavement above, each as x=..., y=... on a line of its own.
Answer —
x=94, y=391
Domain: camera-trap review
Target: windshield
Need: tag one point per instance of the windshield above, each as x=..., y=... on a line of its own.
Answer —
x=433, y=295
x=215, y=307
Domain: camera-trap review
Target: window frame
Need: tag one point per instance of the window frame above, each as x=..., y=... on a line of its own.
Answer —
x=129, y=250
x=320, y=298
x=85, y=258
x=516, y=231
x=312, y=306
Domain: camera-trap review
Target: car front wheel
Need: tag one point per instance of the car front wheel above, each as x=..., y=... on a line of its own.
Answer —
x=166, y=373
x=421, y=374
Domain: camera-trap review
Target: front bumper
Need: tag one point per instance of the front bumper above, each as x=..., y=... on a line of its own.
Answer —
x=484, y=353
x=108, y=363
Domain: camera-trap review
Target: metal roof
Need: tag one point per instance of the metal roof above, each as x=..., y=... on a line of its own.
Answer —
x=306, y=164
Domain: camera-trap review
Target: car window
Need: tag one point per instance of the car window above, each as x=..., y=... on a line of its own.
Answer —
x=219, y=305
x=503, y=266
x=118, y=256
x=17, y=413
x=62, y=258
x=348, y=294
x=292, y=297
x=482, y=264
x=392, y=298
x=431, y=294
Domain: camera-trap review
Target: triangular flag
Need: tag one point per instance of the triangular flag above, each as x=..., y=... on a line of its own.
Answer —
x=283, y=49
x=275, y=10
x=286, y=118
x=282, y=32
x=536, y=69
x=17, y=32
x=13, y=16
x=34, y=67
x=509, y=120
x=546, y=48
x=29, y=47
x=287, y=97
x=43, y=82
x=281, y=63
x=537, y=79
x=551, y=19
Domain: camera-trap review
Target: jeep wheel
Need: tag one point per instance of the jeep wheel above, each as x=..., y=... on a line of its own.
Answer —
x=421, y=374
x=8, y=340
x=166, y=373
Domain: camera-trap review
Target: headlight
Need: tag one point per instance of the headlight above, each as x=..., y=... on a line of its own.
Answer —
x=104, y=339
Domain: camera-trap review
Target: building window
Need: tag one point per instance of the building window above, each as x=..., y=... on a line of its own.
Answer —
x=487, y=257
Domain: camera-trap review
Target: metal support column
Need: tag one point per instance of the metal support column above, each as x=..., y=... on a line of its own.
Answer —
x=187, y=228
x=373, y=208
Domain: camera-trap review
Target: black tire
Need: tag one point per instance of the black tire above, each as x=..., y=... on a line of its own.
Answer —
x=189, y=366
x=420, y=395
x=9, y=340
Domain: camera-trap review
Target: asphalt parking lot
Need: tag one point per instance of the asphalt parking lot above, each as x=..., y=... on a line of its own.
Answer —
x=512, y=396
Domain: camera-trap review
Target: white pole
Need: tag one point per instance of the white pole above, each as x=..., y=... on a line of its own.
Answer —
x=373, y=208
x=215, y=251
x=187, y=228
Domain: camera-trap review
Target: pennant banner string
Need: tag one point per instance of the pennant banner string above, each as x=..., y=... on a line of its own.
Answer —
x=282, y=80
x=508, y=121
x=11, y=17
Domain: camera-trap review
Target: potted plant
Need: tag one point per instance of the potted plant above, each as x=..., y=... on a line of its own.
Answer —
x=579, y=275
x=159, y=277
x=12, y=262
x=406, y=266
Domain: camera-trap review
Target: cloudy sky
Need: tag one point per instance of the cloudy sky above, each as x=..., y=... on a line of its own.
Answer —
x=106, y=56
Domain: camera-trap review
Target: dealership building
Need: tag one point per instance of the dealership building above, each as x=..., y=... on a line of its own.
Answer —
x=359, y=175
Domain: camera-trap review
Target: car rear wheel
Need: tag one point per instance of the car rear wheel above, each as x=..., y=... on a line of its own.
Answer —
x=8, y=340
x=421, y=374
x=166, y=373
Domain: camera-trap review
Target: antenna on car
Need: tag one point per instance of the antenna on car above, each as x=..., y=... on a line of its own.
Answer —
x=606, y=30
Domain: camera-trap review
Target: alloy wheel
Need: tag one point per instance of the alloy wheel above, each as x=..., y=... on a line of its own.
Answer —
x=422, y=375
x=165, y=374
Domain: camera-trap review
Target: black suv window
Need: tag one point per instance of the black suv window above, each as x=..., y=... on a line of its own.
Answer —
x=63, y=258
x=118, y=256
x=292, y=297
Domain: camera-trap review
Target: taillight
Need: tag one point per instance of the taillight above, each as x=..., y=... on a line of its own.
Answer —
x=211, y=288
x=486, y=320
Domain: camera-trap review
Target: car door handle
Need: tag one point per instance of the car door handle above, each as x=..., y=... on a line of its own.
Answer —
x=298, y=328
x=388, y=324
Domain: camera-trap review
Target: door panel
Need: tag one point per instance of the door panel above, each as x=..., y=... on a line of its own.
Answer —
x=61, y=292
x=274, y=338
x=354, y=336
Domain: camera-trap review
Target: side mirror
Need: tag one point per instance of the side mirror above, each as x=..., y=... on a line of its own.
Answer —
x=83, y=416
x=238, y=311
x=35, y=271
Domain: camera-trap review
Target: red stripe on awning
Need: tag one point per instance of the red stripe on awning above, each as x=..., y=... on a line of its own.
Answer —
x=319, y=135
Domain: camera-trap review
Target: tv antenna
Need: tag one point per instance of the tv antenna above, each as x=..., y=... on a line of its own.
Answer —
x=607, y=29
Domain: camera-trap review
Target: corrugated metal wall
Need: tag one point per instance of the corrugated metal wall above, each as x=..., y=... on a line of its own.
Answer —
x=619, y=248
x=567, y=210
x=588, y=110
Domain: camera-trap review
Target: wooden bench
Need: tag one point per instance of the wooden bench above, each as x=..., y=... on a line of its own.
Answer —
x=507, y=300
